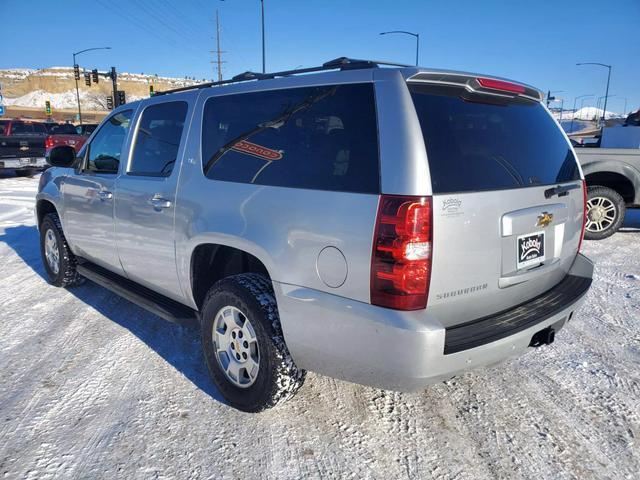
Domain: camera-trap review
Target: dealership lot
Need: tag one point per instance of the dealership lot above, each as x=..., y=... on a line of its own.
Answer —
x=93, y=386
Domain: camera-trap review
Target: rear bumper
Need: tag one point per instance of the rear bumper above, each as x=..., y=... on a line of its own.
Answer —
x=405, y=351
x=22, y=163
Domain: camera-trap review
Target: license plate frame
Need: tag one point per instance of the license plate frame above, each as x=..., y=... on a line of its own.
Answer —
x=530, y=249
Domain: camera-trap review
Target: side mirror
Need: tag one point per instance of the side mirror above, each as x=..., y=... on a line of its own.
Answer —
x=62, y=156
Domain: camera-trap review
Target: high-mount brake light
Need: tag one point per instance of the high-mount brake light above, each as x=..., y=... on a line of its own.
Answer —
x=500, y=85
x=401, y=259
x=584, y=213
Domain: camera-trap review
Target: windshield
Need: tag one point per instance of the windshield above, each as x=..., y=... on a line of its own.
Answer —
x=485, y=142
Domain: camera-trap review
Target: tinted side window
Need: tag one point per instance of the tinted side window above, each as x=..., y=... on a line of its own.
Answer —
x=106, y=146
x=322, y=138
x=488, y=143
x=3, y=127
x=63, y=129
x=20, y=128
x=158, y=138
x=40, y=128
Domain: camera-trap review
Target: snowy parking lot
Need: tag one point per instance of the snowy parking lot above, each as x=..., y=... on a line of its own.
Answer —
x=92, y=386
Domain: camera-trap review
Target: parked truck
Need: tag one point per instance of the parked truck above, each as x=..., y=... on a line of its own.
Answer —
x=612, y=173
x=22, y=146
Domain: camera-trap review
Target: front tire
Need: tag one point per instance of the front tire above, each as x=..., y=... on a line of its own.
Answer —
x=244, y=346
x=59, y=262
x=605, y=212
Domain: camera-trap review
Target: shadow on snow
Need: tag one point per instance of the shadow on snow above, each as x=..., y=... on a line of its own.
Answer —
x=179, y=345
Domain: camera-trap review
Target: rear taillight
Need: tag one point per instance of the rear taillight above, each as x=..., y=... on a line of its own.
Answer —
x=584, y=213
x=500, y=85
x=48, y=143
x=402, y=251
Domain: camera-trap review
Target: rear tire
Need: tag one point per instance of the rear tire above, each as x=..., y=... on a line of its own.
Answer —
x=25, y=173
x=59, y=262
x=244, y=346
x=605, y=212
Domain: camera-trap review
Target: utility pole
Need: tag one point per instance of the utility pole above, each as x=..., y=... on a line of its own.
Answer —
x=217, y=51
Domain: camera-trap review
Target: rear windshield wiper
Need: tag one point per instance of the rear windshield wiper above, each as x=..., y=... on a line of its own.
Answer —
x=560, y=190
x=275, y=123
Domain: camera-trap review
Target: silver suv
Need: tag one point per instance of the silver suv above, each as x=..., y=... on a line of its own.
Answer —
x=386, y=225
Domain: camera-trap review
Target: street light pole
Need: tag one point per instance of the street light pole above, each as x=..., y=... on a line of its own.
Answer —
x=74, y=66
x=417, y=35
x=263, y=61
x=606, y=93
x=575, y=100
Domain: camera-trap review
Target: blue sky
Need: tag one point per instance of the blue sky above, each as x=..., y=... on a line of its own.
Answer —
x=535, y=42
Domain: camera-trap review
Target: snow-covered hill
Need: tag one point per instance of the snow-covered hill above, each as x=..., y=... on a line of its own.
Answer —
x=64, y=100
x=25, y=87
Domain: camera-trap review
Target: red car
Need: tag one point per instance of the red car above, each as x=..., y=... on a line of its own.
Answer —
x=64, y=134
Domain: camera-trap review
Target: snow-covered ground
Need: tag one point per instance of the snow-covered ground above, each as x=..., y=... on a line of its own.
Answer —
x=92, y=386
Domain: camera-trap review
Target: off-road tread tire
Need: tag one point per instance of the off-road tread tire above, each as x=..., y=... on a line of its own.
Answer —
x=616, y=198
x=67, y=275
x=278, y=377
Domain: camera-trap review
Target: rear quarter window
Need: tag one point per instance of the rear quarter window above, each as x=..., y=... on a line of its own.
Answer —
x=322, y=138
x=482, y=143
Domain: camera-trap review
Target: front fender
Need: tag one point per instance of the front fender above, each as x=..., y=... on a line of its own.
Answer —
x=50, y=190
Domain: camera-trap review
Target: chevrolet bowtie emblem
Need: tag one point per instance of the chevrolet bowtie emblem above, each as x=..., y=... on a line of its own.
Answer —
x=545, y=219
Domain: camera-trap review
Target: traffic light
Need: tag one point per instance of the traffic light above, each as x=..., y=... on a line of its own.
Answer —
x=47, y=108
x=109, y=102
x=94, y=75
x=121, y=98
x=76, y=72
x=151, y=90
x=87, y=79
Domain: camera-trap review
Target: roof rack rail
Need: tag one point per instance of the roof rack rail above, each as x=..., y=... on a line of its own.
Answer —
x=342, y=63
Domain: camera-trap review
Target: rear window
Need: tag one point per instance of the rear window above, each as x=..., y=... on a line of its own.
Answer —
x=63, y=129
x=489, y=142
x=321, y=138
x=20, y=128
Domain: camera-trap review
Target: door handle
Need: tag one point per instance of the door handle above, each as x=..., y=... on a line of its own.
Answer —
x=159, y=202
x=105, y=195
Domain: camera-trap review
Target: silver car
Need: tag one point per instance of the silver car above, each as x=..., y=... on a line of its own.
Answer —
x=387, y=225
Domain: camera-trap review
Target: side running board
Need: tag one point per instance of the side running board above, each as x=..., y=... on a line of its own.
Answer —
x=148, y=299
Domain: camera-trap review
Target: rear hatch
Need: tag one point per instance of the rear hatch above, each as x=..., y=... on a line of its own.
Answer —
x=25, y=141
x=507, y=195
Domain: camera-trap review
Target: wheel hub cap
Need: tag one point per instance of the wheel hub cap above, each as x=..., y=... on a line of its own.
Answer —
x=601, y=214
x=236, y=346
x=51, y=252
